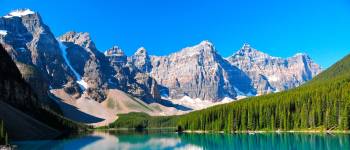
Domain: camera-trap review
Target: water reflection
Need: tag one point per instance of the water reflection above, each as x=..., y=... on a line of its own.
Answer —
x=167, y=141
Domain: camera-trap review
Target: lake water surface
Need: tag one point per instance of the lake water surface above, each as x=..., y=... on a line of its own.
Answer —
x=193, y=141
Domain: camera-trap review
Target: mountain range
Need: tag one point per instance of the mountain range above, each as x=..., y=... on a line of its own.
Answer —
x=71, y=70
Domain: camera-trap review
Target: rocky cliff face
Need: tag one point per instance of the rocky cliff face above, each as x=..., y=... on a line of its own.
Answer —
x=91, y=67
x=28, y=40
x=141, y=60
x=130, y=76
x=272, y=74
x=100, y=72
x=199, y=72
x=72, y=62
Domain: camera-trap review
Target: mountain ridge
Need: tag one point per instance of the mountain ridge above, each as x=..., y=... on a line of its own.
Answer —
x=74, y=69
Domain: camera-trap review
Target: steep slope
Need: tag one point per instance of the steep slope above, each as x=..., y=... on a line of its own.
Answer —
x=273, y=74
x=89, y=65
x=337, y=71
x=199, y=72
x=19, y=104
x=35, y=79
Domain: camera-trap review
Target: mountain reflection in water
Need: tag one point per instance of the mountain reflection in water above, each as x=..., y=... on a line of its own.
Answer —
x=192, y=141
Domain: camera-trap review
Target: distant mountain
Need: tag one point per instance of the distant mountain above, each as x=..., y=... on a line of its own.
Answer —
x=273, y=74
x=200, y=72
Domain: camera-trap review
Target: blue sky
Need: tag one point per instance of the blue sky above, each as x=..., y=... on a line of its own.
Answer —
x=280, y=28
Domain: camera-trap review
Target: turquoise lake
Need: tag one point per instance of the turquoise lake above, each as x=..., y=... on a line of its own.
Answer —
x=193, y=141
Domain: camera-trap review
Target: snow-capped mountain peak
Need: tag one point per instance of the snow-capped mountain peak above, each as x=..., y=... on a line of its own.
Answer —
x=19, y=13
x=3, y=32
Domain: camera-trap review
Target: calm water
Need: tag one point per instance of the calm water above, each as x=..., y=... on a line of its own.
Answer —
x=169, y=141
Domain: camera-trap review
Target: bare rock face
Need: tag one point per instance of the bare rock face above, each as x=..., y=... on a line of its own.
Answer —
x=130, y=77
x=272, y=74
x=199, y=72
x=116, y=56
x=141, y=60
x=90, y=64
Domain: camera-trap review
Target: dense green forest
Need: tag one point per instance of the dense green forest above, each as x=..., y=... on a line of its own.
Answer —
x=142, y=120
x=321, y=104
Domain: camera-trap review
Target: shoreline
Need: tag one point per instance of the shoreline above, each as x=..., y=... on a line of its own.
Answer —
x=232, y=132
x=274, y=131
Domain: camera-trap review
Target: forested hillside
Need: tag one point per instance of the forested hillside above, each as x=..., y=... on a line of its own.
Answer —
x=323, y=103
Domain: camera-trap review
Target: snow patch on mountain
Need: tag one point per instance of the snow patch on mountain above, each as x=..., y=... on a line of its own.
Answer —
x=273, y=78
x=83, y=85
x=19, y=13
x=197, y=104
x=226, y=100
x=3, y=32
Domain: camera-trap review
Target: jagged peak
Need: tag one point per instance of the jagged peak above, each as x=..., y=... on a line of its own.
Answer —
x=114, y=51
x=77, y=35
x=81, y=38
x=20, y=13
x=141, y=51
x=246, y=46
x=247, y=49
x=301, y=55
x=203, y=47
x=206, y=43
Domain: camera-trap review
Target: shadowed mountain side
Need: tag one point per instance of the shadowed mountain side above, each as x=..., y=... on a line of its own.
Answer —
x=74, y=113
x=18, y=122
x=24, y=114
x=168, y=103
x=83, y=110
